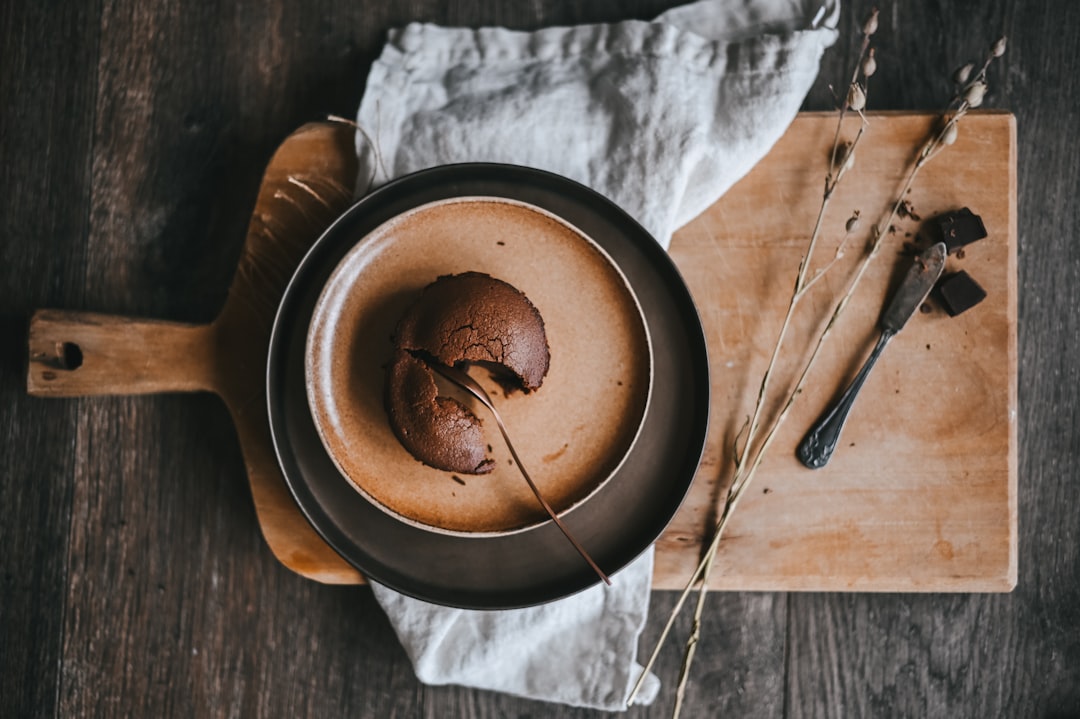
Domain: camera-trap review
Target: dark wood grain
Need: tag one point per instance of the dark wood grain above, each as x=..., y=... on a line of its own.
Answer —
x=48, y=90
x=984, y=655
x=134, y=580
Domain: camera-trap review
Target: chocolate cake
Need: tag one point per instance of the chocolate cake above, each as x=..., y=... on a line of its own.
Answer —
x=439, y=431
x=458, y=320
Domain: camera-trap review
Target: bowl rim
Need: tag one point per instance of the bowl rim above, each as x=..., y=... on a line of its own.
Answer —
x=358, y=249
x=532, y=567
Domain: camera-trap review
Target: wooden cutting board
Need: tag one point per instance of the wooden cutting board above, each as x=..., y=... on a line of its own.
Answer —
x=921, y=495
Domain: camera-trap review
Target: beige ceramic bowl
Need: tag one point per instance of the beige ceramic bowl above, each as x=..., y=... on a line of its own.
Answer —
x=572, y=433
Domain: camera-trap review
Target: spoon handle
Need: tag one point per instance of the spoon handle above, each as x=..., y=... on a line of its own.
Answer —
x=820, y=442
x=467, y=383
x=544, y=503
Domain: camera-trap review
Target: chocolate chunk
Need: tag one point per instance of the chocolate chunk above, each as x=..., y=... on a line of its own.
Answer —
x=956, y=229
x=958, y=292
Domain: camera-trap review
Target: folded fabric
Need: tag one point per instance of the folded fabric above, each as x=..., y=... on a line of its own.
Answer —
x=578, y=651
x=662, y=117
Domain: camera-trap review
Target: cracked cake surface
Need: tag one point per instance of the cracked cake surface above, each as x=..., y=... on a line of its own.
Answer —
x=439, y=431
x=473, y=317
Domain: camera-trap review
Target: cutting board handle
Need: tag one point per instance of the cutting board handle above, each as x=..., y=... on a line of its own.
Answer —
x=81, y=354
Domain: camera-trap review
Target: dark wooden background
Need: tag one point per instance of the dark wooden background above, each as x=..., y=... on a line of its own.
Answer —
x=135, y=582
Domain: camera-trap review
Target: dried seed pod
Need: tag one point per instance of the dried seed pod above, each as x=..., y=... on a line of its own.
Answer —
x=962, y=74
x=999, y=47
x=870, y=26
x=869, y=64
x=949, y=136
x=975, y=94
x=852, y=222
x=856, y=97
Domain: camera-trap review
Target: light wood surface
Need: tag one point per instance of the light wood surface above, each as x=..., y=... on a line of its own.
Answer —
x=922, y=493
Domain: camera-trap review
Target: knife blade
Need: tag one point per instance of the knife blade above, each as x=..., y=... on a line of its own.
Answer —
x=920, y=279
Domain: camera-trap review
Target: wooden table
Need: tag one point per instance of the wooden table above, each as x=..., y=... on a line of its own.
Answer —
x=135, y=580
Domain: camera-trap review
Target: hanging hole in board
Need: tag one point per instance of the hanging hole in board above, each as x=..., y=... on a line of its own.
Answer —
x=69, y=355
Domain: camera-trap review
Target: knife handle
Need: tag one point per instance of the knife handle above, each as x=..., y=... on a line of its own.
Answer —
x=820, y=442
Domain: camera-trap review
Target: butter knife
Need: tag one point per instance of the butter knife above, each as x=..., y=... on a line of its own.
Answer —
x=820, y=442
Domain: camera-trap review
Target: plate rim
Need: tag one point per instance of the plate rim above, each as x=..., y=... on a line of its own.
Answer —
x=659, y=263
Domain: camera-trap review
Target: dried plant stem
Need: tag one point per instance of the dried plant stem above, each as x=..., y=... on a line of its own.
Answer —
x=695, y=632
x=743, y=479
x=833, y=177
x=705, y=568
x=378, y=164
x=705, y=564
x=801, y=286
x=744, y=472
x=838, y=166
x=824, y=270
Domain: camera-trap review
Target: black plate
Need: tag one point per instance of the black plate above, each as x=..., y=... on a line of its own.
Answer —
x=538, y=565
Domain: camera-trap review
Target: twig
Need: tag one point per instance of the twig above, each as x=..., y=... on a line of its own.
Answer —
x=944, y=137
x=841, y=159
x=378, y=164
x=970, y=95
x=855, y=101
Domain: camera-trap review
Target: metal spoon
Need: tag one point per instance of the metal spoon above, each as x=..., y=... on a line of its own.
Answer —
x=467, y=383
x=820, y=442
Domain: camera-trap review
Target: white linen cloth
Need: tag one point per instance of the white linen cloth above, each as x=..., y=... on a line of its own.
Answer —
x=662, y=117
